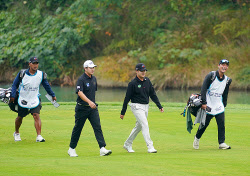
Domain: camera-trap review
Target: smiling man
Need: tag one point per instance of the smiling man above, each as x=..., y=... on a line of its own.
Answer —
x=27, y=82
x=214, y=93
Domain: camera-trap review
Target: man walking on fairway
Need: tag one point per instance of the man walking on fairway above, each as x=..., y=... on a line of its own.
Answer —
x=28, y=82
x=86, y=108
x=214, y=94
x=139, y=90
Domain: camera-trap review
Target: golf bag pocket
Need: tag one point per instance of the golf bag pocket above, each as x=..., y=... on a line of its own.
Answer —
x=13, y=106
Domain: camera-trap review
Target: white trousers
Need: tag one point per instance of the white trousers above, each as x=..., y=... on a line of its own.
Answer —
x=140, y=112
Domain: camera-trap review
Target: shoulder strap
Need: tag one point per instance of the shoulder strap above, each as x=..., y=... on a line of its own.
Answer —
x=213, y=76
x=44, y=75
x=229, y=80
x=22, y=73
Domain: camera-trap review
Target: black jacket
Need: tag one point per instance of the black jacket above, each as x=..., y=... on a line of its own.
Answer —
x=139, y=92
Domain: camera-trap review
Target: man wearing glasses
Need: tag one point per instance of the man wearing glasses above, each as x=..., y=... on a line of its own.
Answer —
x=214, y=94
x=139, y=90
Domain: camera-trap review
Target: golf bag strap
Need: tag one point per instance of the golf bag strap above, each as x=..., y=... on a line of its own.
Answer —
x=213, y=76
x=22, y=73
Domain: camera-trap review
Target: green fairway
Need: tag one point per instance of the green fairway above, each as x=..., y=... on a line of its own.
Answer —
x=175, y=156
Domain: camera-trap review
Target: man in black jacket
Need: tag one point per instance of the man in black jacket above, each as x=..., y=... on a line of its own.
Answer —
x=139, y=90
x=214, y=94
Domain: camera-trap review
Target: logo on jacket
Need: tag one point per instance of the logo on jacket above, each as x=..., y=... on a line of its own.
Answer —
x=87, y=84
x=139, y=86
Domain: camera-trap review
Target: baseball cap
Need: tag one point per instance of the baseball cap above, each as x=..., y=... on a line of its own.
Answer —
x=33, y=60
x=89, y=63
x=140, y=67
x=224, y=61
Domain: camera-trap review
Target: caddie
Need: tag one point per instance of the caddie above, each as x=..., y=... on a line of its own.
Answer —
x=27, y=82
x=214, y=93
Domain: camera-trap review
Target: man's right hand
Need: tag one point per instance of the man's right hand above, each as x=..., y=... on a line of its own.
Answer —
x=12, y=100
x=122, y=116
x=204, y=106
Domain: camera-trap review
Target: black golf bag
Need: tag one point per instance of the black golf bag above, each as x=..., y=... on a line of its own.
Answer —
x=5, y=97
x=193, y=104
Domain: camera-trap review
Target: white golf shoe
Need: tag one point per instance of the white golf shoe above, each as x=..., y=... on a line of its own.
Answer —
x=224, y=146
x=152, y=150
x=72, y=152
x=17, y=136
x=128, y=148
x=105, y=152
x=196, y=143
x=39, y=138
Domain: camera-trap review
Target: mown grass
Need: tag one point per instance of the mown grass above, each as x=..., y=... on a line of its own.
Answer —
x=168, y=131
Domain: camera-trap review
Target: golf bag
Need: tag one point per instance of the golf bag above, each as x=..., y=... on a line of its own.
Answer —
x=193, y=104
x=5, y=97
x=5, y=94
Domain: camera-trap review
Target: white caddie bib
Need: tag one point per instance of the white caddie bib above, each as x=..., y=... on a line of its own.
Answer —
x=29, y=90
x=214, y=96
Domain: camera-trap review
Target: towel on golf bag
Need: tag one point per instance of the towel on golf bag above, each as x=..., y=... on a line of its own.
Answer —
x=193, y=107
x=189, y=121
x=200, y=118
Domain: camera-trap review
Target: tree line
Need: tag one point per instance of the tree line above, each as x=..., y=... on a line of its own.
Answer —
x=179, y=41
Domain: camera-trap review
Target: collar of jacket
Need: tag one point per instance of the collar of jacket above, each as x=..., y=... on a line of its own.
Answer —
x=86, y=76
x=144, y=79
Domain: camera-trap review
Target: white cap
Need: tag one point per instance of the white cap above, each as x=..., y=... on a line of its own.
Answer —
x=89, y=63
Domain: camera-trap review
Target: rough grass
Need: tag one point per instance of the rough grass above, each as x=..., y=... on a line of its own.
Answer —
x=168, y=131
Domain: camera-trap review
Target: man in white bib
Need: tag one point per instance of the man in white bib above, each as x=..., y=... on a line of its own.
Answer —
x=214, y=94
x=27, y=82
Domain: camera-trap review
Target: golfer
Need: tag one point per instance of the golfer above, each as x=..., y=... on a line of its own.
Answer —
x=86, y=108
x=139, y=90
x=214, y=94
x=28, y=83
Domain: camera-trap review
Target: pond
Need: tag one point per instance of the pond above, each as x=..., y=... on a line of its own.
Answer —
x=67, y=94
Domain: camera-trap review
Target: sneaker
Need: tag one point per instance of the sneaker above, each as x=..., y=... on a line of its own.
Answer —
x=39, y=138
x=105, y=152
x=72, y=152
x=196, y=143
x=17, y=136
x=224, y=146
x=128, y=148
x=152, y=150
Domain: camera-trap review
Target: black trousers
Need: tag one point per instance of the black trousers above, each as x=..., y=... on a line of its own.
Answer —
x=220, y=119
x=82, y=113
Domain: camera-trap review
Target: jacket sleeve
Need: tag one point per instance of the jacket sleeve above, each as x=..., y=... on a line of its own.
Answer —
x=46, y=85
x=206, y=83
x=153, y=96
x=225, y=93
x=127, y=98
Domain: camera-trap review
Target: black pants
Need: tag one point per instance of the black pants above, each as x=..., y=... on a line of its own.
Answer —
x=82, y=113
x=220, y=119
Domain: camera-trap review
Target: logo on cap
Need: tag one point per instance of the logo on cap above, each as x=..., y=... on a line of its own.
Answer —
x=140, y=67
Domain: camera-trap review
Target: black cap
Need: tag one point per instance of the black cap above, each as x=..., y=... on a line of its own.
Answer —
x=33, y=60
x=224, y=61
x=140, y=67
